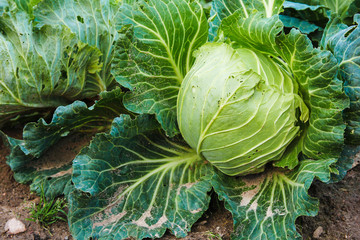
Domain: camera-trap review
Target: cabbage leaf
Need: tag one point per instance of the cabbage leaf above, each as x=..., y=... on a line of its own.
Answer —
x=153, y=56
x=34, y=158
x=145, y=184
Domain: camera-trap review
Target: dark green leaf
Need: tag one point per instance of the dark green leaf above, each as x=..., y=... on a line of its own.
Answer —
x=345, y=162
x=345, y=44
x=93, y=22
x=42, y=68
x=52, y=170
x=142, y=184
x=40, y=136
x=334, y=26
x=33, y=163
x=303, y=25
x=153, y=56
x=265, y=206
x=223, y=8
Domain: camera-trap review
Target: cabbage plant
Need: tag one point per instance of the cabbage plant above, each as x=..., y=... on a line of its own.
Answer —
x=242, y=100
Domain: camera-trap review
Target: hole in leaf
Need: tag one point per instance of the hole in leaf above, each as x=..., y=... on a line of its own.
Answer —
x=80, y=19
x=350, y=31
x=63, y=75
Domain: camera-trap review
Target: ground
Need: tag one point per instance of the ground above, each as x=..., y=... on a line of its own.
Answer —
x=338, y=218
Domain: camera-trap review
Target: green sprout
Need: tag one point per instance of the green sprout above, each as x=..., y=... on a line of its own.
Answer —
x=47, y=211
x=213, y=236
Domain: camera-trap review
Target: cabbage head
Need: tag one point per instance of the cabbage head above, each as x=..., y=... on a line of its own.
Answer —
x=239, y=109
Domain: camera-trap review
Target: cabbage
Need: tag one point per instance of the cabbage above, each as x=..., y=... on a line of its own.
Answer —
x=239, y=108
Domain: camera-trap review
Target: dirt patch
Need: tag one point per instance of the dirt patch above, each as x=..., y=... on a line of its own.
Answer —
x=63, y=152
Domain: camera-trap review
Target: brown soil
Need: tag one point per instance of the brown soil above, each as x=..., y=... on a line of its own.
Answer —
x=339, y=215
x=15, y=198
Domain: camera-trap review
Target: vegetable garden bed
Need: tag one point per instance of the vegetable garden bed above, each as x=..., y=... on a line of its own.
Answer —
x=143, y=113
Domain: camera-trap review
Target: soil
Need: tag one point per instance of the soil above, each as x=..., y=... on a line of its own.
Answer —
x=338, y=218
x=15, y=199
x=339, y=214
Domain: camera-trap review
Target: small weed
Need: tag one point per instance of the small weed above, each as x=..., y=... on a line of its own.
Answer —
x=213, y=236
x=47, y=212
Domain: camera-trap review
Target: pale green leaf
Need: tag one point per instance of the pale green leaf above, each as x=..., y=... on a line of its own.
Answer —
x=3, y=6
x=26, y=5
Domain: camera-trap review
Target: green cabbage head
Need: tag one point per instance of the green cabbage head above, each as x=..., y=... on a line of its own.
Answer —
x=239, y=109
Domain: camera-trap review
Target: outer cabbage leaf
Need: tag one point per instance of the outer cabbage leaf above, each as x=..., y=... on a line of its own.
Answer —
x=307, y=18
x=141, y=184
x=344, y=9
x=303, y=25
x=93, y=22
x=54, y=182
x=345, y=162
x=345, y=45
x=334, y=26
x=40, y=136
x=26, y=5
x=14, y=5
x=307, y=7
x=221, y=9
x=18, y=154
x=43, y=68
x=153, y=56
x=33, y=163
x=4, y=5
x=52, y=171
x=265, y=206
x=319, y=87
